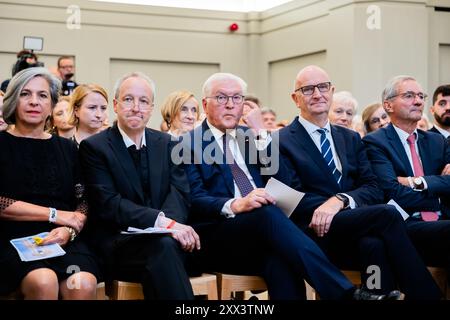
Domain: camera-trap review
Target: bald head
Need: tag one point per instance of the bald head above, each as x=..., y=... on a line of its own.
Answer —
x=313, y=94
x=308, y=73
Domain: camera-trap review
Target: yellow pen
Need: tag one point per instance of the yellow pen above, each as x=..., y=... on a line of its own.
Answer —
x=38, y=240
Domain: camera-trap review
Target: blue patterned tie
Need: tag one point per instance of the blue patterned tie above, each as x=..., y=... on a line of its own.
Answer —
x=327, y=154
x=243, y=183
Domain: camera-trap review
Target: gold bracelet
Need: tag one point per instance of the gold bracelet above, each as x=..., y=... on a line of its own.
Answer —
x=72, y=232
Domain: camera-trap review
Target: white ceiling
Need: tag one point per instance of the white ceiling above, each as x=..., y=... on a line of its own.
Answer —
x=222, y=5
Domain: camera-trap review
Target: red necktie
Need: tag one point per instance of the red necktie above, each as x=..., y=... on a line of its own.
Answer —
x=418, y=171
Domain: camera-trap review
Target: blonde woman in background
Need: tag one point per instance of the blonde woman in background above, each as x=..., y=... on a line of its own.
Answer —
x=59, y=120
x=374, y=117
x=180, y=111
x=88, y=104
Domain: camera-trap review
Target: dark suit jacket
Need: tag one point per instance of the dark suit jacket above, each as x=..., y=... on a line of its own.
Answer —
x=114, y=187
x=434, y=130
x=211, y=179
x=313, y=176
x=437, y=131
x=389, y=161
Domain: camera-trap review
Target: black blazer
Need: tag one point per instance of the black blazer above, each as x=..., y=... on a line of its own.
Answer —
x=114, y=188
x=314, y=178
x=389, y=161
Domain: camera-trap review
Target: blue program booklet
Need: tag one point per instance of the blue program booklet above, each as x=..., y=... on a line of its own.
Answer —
x=29, y=250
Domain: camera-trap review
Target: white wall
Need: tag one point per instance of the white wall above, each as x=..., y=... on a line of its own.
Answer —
x=281, y=82
x=444, y=64
x=267, y=51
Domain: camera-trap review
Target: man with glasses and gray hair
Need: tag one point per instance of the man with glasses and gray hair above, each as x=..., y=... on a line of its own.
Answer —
x=132, y=182
x=341, y=208
x=413, y=168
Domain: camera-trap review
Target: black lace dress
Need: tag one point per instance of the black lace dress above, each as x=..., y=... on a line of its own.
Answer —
x=43, y=172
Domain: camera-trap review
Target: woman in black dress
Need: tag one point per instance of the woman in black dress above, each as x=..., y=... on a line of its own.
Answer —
x=41, y=190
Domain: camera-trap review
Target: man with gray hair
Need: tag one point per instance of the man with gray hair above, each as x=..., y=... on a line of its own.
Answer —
x=132, y=182
x=413, y=168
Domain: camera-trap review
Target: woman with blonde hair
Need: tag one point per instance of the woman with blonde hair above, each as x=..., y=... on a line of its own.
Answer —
x=59, y=120
x=180, y=111
x=374, y=117
x=88, y=105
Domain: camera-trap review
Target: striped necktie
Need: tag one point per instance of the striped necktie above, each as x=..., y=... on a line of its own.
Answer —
x=327, y=154
x=243, y=183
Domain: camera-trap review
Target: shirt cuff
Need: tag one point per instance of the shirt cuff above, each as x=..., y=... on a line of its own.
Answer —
x=263, y=141
x=226, y=209
x=352, y=202
x=159, y=222
x=425, y=185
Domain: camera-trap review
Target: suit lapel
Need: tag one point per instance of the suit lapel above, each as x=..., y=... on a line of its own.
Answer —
x=121, y=152
x=397, y=145
x=304, y=140
x=155, y=150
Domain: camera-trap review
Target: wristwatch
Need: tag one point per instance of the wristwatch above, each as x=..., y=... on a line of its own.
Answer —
x=418, y=183
x=344, y=199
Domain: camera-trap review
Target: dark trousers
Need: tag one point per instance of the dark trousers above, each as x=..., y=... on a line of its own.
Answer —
x=377, y=235
x=155, y=261
x=432, y=241
x=265, y=242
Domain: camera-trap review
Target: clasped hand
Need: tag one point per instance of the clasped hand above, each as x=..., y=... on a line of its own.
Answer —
x=255, y=199
x=323, y=215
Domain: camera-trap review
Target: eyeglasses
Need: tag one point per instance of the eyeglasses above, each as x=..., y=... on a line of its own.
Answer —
x=309, y=90
x=223, y=99
x=378, y=120
x=65, y=67
x=410, y=96
x=129, y=102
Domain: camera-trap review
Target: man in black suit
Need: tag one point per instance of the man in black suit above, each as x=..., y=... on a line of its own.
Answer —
x=132, y=182
x=441, y=111
x=241, y=228
x=341, y=208
x=413, y=168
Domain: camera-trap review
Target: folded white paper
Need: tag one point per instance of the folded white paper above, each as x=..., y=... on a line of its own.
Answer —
x=287, y=198
x=132, y=230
